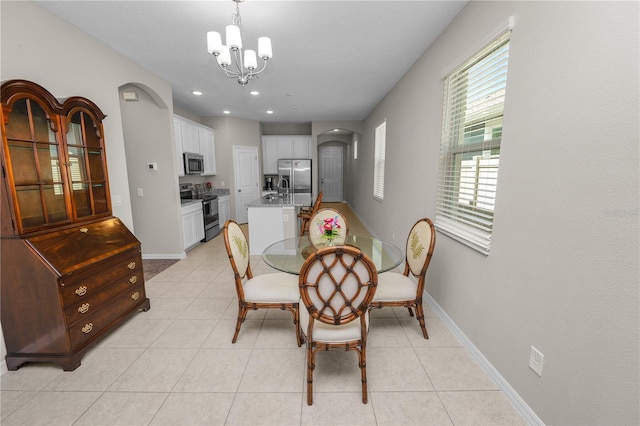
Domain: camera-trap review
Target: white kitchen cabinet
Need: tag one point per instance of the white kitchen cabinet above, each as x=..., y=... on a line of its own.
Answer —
x=192, y=224
x=190, y=142
x=190, y=136
x=208, y=150
x=224, y=209
x=301, y=146
x=177, y=139
x=275, y=147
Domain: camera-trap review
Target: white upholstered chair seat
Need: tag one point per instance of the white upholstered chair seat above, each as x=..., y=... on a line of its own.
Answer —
x=276, y=287
x=328, y=333
x=393, y=286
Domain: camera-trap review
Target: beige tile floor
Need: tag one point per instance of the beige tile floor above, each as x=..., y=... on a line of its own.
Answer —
x=175, y=365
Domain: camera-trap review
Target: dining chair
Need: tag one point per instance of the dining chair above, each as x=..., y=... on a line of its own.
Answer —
x=271, y=291
x=320, y=220
x=402, y=290
x=337, y=285
x=306, y=213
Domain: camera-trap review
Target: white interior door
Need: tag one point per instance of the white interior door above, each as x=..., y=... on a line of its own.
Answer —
x=247, y=185
x=330, y=173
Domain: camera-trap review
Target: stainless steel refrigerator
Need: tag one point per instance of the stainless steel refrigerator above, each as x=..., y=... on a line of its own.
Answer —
x=297, y=175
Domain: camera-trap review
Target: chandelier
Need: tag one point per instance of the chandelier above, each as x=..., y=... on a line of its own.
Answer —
x=245, y=64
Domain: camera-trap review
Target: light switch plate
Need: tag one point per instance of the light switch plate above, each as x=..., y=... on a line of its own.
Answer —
x=535, y=361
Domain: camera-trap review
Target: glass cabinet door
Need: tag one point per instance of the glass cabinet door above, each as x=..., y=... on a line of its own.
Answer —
x=35, y=160
x=86, y=166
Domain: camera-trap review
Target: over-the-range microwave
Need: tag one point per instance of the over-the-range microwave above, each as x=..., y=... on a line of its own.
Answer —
x=193, y=163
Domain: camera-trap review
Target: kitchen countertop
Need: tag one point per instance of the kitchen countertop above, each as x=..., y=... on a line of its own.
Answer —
x=268, y=201
x=218, y=191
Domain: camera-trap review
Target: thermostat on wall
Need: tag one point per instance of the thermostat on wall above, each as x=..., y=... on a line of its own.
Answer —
x=152, y=166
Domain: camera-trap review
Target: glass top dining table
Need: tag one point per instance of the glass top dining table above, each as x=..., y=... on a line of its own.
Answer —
x=289, y=255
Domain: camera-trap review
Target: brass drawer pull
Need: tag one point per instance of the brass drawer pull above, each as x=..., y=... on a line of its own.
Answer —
x=84, y=308
x=84, y=230
x=131, y=265
x=87, y=328
x=135, y=295
x=133, y=279
x=82, y=290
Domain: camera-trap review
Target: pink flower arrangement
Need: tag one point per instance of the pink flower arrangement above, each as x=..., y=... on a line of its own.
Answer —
x=329, y=227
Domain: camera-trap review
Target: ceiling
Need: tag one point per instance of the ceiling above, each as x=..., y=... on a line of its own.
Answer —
x=332, y=60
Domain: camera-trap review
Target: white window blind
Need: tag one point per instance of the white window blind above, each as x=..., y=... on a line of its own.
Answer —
x=470, y=146
x=378, y=167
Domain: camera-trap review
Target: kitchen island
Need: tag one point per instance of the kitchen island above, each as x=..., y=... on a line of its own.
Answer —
x=271, y=218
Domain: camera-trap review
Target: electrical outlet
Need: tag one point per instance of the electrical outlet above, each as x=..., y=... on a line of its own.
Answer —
x=140, y=192
x=535, y=361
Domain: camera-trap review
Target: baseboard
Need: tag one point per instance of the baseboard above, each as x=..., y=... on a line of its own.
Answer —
x=177, y=256
x=519, y=403
x=373, y=234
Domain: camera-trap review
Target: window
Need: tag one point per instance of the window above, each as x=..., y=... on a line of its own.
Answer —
x=378, y=167
x=470, y=147
x=355, y=149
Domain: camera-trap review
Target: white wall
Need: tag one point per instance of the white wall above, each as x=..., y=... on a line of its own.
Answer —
x=148, y=135
x=563, y=270
x=231, y=132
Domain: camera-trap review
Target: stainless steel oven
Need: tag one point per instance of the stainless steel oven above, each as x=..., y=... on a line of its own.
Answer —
x=211, y=216
x=209, y=208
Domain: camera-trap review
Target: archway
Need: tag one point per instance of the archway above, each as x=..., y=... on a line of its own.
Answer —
x=335, y=150
x=147, y=131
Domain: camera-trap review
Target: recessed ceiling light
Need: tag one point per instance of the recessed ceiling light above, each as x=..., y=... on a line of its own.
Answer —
x=197, y=92
x=226, y=111
x=269, y=111
x=254, y=93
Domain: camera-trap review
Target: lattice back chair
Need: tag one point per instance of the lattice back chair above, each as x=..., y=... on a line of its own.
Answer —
x=271, y=291
x=337, y=284
x=395, y=289
x=317, y=224
x=306, y=213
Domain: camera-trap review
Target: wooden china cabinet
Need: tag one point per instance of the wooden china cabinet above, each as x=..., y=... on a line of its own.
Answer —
x=71, y=272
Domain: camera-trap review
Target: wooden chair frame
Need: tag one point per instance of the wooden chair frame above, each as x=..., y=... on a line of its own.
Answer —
x=306, y=213
x=351, y=262
x=243, y=273
x=419, y=273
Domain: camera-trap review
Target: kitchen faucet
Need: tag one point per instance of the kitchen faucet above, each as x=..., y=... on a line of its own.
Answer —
x=282, y=179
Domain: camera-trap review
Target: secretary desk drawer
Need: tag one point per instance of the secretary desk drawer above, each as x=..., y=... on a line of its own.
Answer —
x=94, y=323
x=89, y=303
x=75, y=288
